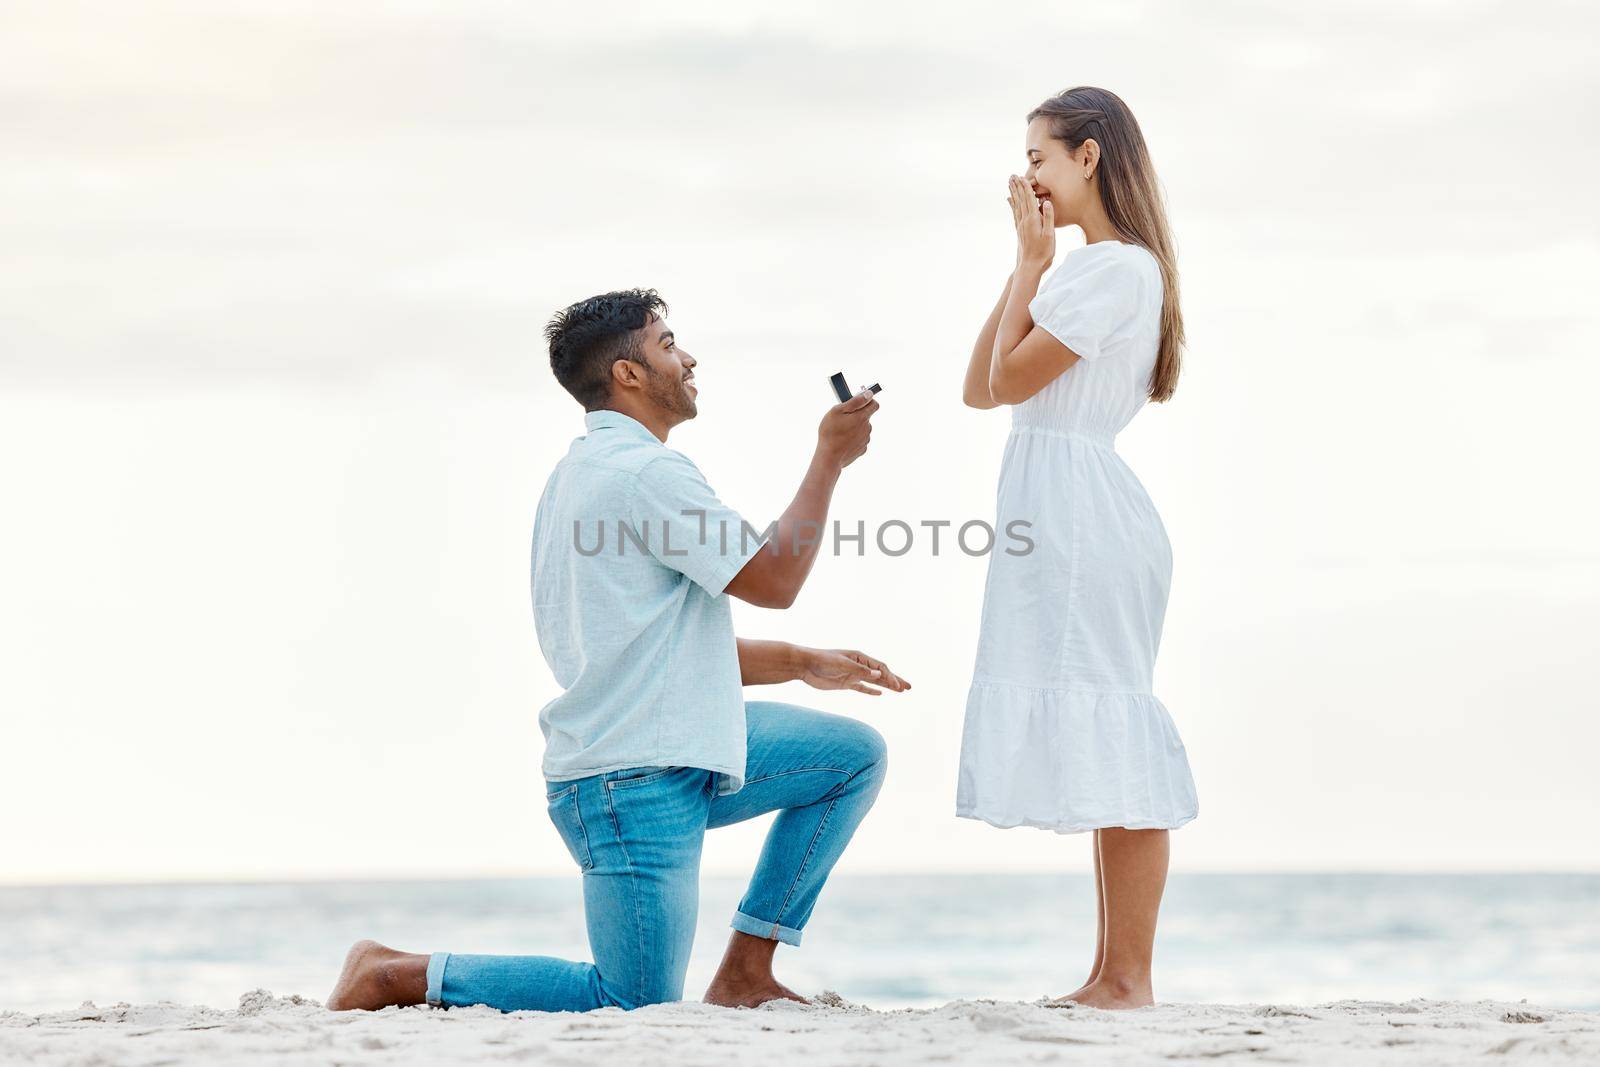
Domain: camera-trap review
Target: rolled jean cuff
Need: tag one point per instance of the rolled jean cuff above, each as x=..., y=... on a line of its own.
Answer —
x=436, y=962
x=747, y=924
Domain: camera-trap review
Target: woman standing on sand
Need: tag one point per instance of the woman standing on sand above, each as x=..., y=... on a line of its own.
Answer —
x=1062, y=729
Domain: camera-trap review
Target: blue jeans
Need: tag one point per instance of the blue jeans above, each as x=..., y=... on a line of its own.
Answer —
x=636, y=835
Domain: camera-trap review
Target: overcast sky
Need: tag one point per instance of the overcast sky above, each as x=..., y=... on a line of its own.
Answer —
x=275, y=411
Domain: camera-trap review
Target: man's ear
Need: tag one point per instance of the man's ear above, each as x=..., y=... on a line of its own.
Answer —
x=626, y=374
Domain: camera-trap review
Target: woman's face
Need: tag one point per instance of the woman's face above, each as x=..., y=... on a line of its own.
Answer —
x=1056, y=174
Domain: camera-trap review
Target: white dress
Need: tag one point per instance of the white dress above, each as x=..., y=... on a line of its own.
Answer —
x=1062, y=729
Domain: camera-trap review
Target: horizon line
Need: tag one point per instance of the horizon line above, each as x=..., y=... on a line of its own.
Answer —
x=391, y=878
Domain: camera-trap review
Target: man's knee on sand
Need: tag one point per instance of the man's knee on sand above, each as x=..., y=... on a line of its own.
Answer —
x=639, y=986
x=614, y=996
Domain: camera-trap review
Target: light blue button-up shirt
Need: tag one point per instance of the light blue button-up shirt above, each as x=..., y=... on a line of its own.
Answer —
x=631, y=553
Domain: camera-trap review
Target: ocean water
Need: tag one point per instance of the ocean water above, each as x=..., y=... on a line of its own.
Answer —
x=891, y=941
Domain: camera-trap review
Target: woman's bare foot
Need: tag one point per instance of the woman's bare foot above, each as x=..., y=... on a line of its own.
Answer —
x=1109, y=994
x=376, y=976
x=1070, y=999
x=744, y=979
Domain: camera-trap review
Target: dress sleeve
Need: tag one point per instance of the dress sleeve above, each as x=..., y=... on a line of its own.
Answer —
x=686, y=527
x=1091, y=307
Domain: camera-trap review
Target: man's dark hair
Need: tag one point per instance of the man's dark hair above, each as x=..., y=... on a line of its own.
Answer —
x=587, y=337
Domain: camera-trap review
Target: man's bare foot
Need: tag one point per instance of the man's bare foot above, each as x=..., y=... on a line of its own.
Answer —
x=731, y=993
x=744, y=980
x=376, y=976
x=1109, y=994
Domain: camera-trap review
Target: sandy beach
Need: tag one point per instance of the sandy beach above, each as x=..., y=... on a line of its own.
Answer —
x=268, y=1029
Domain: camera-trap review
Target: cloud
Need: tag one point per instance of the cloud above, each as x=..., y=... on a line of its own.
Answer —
x=299, y=193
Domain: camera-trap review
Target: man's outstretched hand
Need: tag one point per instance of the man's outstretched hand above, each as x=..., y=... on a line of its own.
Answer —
x=845, y=668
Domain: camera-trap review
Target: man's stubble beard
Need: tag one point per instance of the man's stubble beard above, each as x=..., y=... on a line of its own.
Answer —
x=670, y=394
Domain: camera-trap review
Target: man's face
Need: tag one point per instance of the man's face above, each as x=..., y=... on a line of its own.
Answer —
x=669, y=372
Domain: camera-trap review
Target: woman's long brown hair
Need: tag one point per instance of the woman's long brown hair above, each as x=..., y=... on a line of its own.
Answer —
x=1132, y=199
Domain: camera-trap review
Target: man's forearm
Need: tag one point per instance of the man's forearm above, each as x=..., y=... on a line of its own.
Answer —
x=800, y=531
x=772, y=577
x=769, y=662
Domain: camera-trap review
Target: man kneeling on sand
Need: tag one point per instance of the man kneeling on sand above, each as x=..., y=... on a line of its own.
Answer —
x=652, y=742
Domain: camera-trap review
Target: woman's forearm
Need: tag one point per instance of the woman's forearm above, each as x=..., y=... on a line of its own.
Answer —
x=1015, y=324
x=975, y=390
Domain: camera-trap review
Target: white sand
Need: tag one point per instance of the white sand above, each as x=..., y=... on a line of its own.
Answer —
x=298, y=1030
